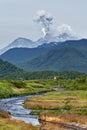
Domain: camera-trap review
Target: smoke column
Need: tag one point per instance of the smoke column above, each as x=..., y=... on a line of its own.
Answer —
x=45, y=19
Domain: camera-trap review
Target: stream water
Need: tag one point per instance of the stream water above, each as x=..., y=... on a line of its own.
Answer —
x=14, y=106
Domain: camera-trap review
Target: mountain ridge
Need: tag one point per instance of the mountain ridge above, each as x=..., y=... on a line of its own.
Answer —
x=70, y=55
x=27, y=43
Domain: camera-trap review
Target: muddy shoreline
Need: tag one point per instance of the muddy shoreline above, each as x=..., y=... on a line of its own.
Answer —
x=56, y=122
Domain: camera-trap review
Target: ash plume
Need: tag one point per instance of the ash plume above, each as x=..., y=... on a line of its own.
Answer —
x=45, y=19
x=53, y=33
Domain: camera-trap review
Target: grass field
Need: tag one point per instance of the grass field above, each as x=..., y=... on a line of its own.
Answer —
x=66, y=102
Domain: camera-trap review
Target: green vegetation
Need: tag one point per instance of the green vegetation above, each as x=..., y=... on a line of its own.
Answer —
x=5, y=89
x=9, y=71
x=51, y=74
x=21, y=75
x=7, y=68
x=10, y=88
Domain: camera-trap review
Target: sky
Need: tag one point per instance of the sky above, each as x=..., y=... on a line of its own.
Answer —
x=16, y=17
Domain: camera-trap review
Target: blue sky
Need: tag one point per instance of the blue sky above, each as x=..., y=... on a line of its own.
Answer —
x=16, y=17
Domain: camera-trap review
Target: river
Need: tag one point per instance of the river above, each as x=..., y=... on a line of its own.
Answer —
x=14, y=106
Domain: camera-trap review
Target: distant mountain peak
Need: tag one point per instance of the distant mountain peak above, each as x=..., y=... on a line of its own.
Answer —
x=22, y=42
x=19, y=43
x=22, y=38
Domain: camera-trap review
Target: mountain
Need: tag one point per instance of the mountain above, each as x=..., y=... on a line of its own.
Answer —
x=48, y=38
x=19, y=51
x=70, y=55
x=19, y=43
x=6, y=68
x=19, y=55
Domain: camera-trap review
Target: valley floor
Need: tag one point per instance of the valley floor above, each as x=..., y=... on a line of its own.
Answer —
x=60, y=110
x=68, y=104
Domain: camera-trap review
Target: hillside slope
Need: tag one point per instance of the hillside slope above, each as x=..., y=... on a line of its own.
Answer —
x=70, y=55
x=7, y=68
x=18, y=55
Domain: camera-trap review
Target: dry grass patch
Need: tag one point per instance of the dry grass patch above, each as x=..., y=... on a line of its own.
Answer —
x=17, y=90
x=82, y=119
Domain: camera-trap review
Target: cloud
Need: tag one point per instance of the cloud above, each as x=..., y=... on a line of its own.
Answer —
x=65, y=28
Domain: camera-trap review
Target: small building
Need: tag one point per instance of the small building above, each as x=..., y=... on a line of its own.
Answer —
x=55, y=78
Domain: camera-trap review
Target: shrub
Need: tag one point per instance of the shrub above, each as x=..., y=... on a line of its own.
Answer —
x=5, y=92
x=18, y=84
x=81, y=80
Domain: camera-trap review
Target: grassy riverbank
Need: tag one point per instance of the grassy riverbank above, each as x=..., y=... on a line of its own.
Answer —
x=72, y=95
x=59, y=102
x=7, y=123
x=71, y=99
x=60, y=110
x=17, y=87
